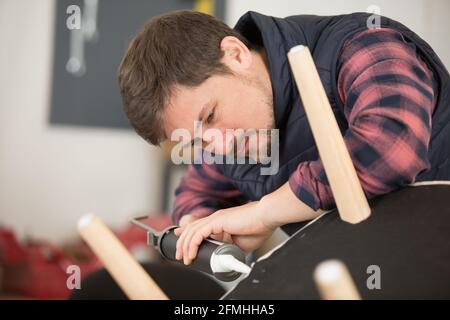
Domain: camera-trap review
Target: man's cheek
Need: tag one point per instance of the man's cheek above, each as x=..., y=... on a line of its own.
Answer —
x=214, y=141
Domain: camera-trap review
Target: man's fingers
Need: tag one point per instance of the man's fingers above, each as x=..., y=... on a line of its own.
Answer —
x=218, y=237
x=192, y=235
x=210, y=228
x=227, y=238
x=197, y=239
x=180, y=241
x=222, y=237
x=187, y=240
x=178, y=231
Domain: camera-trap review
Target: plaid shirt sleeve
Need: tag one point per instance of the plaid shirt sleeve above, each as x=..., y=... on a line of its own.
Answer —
x=388, y=97
x=204, y=190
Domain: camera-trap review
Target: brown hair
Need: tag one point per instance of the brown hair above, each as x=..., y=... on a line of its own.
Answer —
x=177, y=48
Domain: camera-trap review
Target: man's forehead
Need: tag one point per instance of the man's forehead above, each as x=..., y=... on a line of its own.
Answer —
x=182, y=110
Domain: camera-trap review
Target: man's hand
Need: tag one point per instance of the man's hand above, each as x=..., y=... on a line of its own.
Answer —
x=244, y=226
x=186, y=219
x=247, y=226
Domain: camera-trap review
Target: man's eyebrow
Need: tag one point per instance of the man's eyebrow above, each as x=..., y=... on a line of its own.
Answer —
x=200, y=118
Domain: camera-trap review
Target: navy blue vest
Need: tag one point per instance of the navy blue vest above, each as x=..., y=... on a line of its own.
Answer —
x=325, y=37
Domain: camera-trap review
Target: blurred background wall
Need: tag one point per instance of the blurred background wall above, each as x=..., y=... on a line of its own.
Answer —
x=50, y=175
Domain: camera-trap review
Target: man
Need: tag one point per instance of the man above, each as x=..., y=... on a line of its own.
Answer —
x=388, y=89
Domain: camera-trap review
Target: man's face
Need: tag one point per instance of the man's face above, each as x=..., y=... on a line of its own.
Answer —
x=241, y=100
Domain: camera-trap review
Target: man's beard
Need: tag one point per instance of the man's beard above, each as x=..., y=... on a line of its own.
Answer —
x=267, y=103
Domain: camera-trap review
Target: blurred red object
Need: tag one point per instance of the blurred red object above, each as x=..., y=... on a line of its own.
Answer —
x=37, y=269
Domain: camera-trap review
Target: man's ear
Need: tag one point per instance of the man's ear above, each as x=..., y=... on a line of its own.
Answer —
x=236, y=55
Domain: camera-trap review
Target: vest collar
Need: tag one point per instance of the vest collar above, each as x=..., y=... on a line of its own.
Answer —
x=277, y=36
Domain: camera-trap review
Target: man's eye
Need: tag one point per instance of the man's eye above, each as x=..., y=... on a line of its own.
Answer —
x=210, y=117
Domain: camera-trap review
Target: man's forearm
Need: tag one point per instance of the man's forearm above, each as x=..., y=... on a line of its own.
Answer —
x=277, y=208
x=282, y=207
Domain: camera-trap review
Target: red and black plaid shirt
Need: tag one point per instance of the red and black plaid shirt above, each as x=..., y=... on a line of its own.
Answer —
x=389, y=96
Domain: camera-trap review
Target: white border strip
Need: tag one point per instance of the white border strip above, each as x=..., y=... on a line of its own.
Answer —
x=269, y=253
x=430, y=183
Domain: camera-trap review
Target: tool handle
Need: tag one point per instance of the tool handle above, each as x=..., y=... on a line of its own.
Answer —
x=334, y=281
x=125, y=270
x=350, y=199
